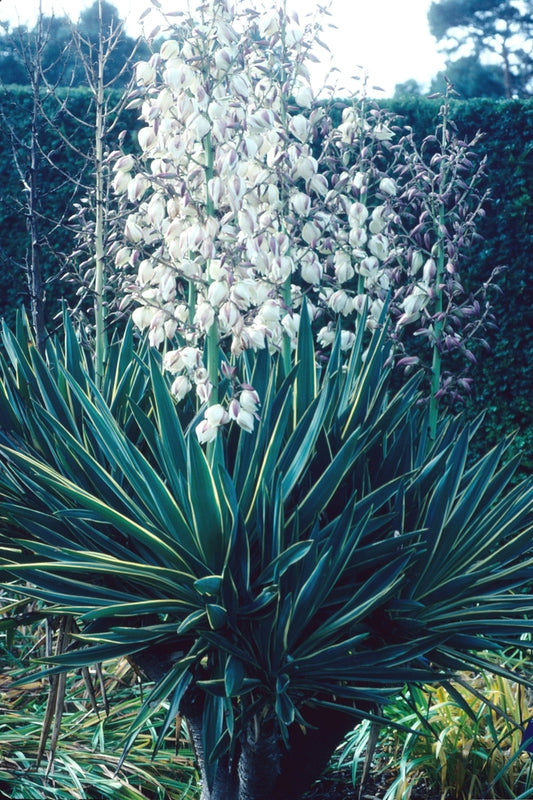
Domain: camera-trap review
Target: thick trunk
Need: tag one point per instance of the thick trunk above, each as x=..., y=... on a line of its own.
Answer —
x=262, y=767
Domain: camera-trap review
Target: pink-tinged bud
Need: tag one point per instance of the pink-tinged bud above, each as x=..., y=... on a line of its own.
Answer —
x=181, y=387
x=388, y=186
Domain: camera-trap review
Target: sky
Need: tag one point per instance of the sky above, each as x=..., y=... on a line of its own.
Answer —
x=388, y=39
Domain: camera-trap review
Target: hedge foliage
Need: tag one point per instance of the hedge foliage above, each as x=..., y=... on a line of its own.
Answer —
x=504, y=378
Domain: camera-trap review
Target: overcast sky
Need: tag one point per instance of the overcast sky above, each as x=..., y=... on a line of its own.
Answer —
x=390, y=39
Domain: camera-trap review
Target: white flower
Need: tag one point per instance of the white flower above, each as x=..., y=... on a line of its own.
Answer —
x=358, y=215
x=216, y=415
x=388, y=186
x=142, y=317
x=301, y=203
x=144, y=72
x=303, y=96
x=379, y=246
x=181, y=387
x=206, y=432
x=249, y=400
x=299, y=126
x=344, y=270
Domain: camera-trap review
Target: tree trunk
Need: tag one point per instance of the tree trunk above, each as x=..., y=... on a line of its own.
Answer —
x=262, y=767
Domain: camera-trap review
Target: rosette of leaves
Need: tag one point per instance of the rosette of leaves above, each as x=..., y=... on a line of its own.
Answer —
x=279, y=589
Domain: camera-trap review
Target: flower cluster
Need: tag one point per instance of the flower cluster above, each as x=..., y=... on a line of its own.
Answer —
x=236, y=212
x=247, y=198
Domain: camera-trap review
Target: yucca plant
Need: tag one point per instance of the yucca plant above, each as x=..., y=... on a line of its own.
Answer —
x=278, y=588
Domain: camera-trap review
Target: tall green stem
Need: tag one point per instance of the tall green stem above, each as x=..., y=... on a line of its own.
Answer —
x=436, y=366
x=99, y=310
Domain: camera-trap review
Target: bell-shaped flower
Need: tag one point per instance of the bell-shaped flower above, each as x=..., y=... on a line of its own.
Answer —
x=205, y=432
x=311, y=268
x=301, y=203
x=379, y=246
x=181, y=386
x=358, y=214
x=132, y=231
x=379, y=220
x=218, y=293
x=344, y=270
x=303, y=96
x=142, y=316
x=204, y=316
x=249, y=400
x=388, y=186
x=136, y=188
x=121, y=182
x=144, y=73
x=299, y=127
